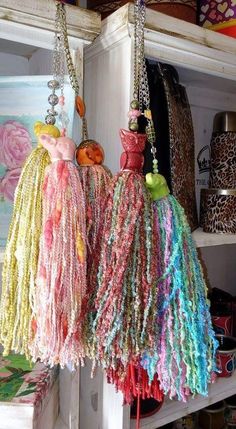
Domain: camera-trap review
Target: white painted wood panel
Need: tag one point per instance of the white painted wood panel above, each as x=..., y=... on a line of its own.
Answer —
x=107, y=96
x=60, y=424
x=82, y=23
x=69, y=397
x=172, y=410
x=13, y=65
x=91, y=397
x=220, y=264
x=40, y=62
x=207, y=66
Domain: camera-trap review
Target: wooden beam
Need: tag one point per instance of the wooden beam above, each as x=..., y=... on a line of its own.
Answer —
x=82, y=23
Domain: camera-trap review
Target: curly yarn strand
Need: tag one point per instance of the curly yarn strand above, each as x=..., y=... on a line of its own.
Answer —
x=21, y=256
x=126, y=272
x=185, y=342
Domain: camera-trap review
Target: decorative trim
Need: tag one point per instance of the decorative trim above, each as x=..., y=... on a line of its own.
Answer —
x=213, y=191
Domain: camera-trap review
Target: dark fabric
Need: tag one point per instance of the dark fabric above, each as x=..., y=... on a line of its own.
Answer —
x=174, y=136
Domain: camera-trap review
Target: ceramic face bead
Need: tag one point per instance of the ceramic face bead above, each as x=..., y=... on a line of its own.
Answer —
x=89, y=152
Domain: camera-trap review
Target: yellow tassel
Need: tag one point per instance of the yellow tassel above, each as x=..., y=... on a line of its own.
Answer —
x=21, y=255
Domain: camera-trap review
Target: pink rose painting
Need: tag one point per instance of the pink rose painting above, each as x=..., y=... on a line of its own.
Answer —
x=15, y=146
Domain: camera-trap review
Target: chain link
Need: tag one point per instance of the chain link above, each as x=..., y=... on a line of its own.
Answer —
x=62, y=26
x=141, y=86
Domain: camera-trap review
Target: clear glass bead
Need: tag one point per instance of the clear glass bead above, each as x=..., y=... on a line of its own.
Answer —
x=63, y=119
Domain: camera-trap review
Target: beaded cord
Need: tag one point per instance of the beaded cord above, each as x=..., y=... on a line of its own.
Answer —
x=185, y=341
x=61, y=278
x=21, y=256
x=126, y=272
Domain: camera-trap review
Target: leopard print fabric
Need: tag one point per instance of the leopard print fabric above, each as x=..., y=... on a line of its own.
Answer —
x=218, y=213
x=223, y=161
x=181, y=137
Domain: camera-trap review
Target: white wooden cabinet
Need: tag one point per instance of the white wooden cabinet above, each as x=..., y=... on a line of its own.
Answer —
x=26, y=41
x=206, y=62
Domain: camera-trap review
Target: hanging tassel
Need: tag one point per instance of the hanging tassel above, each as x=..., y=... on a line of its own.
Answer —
x=123, y=327
x=185, y=342
x=61, y=276
x=95, y=179
x=21, y=255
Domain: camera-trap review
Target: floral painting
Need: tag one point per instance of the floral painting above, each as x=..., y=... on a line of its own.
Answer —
x=15, y=146
x=24, y=383
x=23, y=101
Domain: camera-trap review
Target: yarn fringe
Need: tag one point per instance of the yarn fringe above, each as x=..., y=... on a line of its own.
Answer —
x=61, y=278
x=21, y=256
x=184, y=358
x=123, y=326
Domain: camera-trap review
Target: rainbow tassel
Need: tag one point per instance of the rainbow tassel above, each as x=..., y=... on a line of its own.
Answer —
x=185, y=344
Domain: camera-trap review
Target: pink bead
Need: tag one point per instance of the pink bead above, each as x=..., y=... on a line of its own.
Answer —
x=134, y=113
x=61, y=100
x=63, y=132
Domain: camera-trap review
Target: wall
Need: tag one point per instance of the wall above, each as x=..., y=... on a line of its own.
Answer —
x=13, y=65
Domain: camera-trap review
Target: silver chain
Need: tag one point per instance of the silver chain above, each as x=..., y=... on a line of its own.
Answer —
x=141, y=88
x=61, y=13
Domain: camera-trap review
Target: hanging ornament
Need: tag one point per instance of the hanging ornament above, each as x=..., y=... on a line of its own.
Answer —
x=58, y=313
x=95, y=179
x=183, y=355
x=123, y=328
x=61, y=276
x=21, y=254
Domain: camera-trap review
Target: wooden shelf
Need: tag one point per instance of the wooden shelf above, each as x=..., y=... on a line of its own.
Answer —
x=203, y=239
x=171, y=40
x=172, y=410
x=33, y=22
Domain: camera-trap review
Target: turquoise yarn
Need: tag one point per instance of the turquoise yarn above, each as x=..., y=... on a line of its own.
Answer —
x=185, y=344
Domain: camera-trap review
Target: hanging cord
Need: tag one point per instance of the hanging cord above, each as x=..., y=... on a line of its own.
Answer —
x=141, y=94
x=62, y=25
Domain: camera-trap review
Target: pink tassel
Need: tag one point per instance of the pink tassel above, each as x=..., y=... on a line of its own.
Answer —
x=61, y=278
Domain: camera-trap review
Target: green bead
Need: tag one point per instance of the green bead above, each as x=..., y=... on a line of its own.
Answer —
x=134, y=104
x=133, y=126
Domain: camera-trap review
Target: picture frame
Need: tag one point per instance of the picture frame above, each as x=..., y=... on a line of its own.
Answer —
x=23, y=101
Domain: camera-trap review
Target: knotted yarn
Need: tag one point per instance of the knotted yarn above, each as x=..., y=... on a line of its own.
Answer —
x=125, y=319
x=185, y=348
x=22, y=248
x=61, y=278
